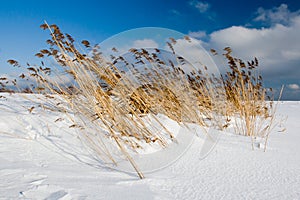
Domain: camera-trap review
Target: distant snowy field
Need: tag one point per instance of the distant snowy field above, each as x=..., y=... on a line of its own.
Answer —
x=43, y=159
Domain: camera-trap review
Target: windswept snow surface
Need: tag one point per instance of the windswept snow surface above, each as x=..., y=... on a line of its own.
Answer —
x=43, y=159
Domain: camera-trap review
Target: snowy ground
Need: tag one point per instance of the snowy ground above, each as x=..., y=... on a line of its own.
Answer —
x=40, y=160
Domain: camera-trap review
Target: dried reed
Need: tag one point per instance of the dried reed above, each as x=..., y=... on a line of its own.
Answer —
x=115, y=95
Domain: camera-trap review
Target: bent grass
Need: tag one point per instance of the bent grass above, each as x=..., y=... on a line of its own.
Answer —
x=102, y=94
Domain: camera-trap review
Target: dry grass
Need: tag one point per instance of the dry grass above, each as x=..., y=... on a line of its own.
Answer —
x=115, y=95
x=248, y=104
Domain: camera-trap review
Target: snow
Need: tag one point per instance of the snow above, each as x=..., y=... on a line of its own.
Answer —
x=43, y=159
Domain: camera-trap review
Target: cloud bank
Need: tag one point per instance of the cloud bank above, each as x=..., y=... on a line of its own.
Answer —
x=277, y=45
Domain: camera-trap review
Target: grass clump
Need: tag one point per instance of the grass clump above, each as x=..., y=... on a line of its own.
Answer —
x=247, y=100
x=120, y=96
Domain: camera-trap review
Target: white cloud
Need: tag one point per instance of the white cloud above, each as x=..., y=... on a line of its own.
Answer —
x=145, y=43
x=294, y=86
x=277, y=48
x=197, y=34
x=281, y=15
x=200, y=5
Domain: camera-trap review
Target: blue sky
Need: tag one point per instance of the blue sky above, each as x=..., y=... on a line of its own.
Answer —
x=263, y=28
